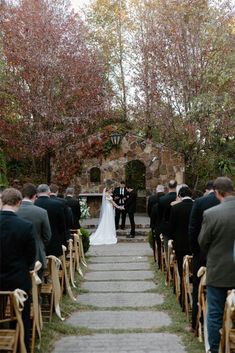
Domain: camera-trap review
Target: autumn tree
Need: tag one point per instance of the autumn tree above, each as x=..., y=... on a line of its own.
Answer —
x=108, y=21
x=184, y=75
x=52, y=75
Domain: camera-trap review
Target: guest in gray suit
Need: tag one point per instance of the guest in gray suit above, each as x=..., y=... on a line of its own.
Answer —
x=39, y=217
x=216, y=239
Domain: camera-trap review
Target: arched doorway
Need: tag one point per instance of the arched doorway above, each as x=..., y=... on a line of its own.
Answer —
x=135, y=176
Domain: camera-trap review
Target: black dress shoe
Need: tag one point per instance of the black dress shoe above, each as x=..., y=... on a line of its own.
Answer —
x=132, y=235
x=122, y=227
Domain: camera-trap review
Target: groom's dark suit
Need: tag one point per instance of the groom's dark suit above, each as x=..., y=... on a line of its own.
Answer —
x=130, y=207
x=119, y=196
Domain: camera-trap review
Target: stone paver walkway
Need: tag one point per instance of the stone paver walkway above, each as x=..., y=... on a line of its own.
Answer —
x=120, y=299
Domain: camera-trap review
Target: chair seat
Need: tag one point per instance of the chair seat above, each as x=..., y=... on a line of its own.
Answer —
x=7, y=339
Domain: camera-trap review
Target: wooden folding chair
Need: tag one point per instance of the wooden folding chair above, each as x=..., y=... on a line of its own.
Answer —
x=51, y=290
x=71, y=261
x=163, y=257
x=35, y=311
x=77, y=252
x=202, y=309
x=176, y=278
x=65, y=266
x=187, y=287
x=11, y=306
x=81, y=249
x=227, y=342
x=170, y=261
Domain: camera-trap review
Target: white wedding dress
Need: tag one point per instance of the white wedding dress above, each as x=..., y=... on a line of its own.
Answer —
x=106, y=231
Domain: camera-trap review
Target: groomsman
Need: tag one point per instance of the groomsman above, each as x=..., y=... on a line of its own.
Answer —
x=120, y=196
x=130, y=207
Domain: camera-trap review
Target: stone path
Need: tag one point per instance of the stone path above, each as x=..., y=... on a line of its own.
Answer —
x=119, y=298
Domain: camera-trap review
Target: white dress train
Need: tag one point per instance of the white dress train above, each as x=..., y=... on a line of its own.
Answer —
x=106, y=231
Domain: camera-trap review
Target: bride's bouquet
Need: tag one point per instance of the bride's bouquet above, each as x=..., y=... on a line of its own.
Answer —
x=84, y=209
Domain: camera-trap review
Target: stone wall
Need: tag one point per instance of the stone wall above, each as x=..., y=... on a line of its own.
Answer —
x=162, y=164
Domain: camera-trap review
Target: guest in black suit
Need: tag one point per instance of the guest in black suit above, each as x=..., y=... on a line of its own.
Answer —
x=153, y=199
x=179, y=221
x=130, y=208
x=153, y=214
x=17, y=252
x=74, y=204
x=200, y=205
x=54, y=190
x=164, y=209
x=120, y=196
x=56, y=216
x=40, y=220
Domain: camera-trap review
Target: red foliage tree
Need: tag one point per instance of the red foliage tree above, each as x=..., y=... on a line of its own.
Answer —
x=52, y=75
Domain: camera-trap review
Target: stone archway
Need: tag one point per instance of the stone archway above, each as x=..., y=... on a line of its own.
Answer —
x=135, y=176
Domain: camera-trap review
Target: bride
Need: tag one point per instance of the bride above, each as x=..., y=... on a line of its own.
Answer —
x=106, y=231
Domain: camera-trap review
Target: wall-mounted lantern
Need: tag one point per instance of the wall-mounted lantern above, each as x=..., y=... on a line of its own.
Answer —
x=116, y=138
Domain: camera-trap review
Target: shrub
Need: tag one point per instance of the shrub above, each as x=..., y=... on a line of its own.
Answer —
x=85, y=239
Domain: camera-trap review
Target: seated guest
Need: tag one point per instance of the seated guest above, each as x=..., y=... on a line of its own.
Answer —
x=17, y=252
x=39, y=217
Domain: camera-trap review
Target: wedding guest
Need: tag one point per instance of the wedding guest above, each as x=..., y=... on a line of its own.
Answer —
x=164, y=208
x=120, y=196
x=179, y=221
x=54, y=192
x=130, y=208
x=200, y=205
x=216, y=239
x=74, y=204
x=17, y=252
x=39, y=217
x=153, y=212
x=153, y=199
x=56, y=217
x=178, y=198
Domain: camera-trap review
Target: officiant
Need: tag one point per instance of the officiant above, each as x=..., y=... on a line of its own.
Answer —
x=120, y=196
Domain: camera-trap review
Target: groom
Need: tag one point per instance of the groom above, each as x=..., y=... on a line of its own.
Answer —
x=130, y=208
x=119, y=196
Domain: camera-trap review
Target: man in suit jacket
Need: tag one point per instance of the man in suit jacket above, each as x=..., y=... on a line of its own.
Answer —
x=217, y=239
x=153, y=214
x=54, y=190
x=56, y=217
x=39, y=217
x=74, y=204
x=164, y=209
x=17, y=252
x=153, y=199
x=179, y=220
x=130, y=208
x=200, y=205
x=120, y=196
